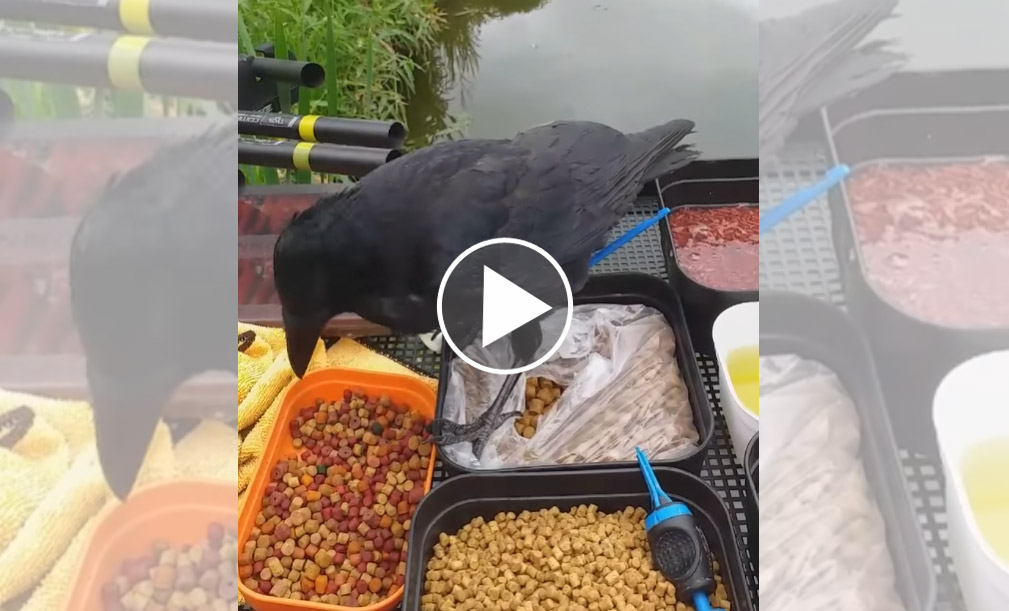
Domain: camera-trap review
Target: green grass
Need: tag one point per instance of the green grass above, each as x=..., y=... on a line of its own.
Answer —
x=367, y=47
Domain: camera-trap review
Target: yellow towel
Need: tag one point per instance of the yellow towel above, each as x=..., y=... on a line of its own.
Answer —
x=53, y=592
x=264, y=370
x=51, y=487
x=348, y=353
x=208, y=451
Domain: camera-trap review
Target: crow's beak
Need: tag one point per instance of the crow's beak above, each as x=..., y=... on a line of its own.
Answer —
x=301, y=341
x=125, y=421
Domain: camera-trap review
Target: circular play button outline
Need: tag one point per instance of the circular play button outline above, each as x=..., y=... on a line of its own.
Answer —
x=567, y=293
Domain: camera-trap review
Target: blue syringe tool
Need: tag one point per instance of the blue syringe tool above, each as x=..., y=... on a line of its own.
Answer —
x=679, y=550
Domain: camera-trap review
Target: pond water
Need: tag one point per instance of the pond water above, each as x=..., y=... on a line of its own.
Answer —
x=973, y=34
x=506, y=65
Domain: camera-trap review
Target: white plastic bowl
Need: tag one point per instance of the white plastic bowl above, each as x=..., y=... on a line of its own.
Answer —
x=970, y=408
x=736, y=327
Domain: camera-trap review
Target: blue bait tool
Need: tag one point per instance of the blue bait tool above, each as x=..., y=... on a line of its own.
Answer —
x=679, y=549
x=627, y=237
x=801, y=198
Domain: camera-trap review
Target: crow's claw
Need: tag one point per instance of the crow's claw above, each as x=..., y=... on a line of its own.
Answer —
x=442, y=428
x=446, y=433
x=492, y=425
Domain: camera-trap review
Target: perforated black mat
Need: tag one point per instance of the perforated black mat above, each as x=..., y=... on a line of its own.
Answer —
x=643, y=253
x=721, y=470
x=798, y=255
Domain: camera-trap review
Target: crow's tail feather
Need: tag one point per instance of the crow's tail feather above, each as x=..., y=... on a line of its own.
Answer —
x=816, y=57
x=660, y=149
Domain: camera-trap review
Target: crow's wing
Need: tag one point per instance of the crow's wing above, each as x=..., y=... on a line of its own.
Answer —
x=865, y=67
x=814, y=58
x=514, y=192
x=533, y=195
x=445, y=198
x=433, y=204
x=559, y=192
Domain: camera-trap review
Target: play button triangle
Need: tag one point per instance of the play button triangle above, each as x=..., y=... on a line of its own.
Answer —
x=506, y=306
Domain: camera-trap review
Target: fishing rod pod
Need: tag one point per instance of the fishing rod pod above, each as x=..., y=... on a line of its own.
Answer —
x=331, y=130
x=162, y=66
x=306, y=74
x=325, y=158
x=214, y=20
x=259, y=77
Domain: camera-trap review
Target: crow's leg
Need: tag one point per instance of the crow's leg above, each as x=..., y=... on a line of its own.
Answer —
x=525, y=342
x=446, y=432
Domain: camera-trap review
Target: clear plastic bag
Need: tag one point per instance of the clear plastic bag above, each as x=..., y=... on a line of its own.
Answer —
x=822, y=540
x=622, y=388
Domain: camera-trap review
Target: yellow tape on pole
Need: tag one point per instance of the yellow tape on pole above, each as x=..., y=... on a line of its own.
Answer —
x=300, y=157
x=135, y=15
x=124, y=62
x=306, y=128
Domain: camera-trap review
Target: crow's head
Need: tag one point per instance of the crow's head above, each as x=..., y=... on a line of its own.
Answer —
x=152, y=279
x=319, y=269
x=126, y=309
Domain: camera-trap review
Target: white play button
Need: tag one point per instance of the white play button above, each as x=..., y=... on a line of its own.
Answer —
x=506, y=306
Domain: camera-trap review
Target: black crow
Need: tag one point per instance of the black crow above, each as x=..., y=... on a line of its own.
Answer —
x=380, y=248
x=153, y=289
x=816, y=57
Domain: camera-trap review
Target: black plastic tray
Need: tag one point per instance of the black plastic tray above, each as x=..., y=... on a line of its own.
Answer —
x=624, y=288
x=916, y=118
x=795, y=324
x=452, y=505
x=752, y=465
x=706, y=183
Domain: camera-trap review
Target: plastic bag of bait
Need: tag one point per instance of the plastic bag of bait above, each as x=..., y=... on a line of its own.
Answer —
x=622, y=388
x=824, y=546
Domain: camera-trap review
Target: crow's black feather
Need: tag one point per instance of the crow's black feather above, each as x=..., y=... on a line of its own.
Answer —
x=816, y=57
x=380, y=249
x=152, y=274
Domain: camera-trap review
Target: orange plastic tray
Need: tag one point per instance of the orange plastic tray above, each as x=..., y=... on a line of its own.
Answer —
x=175, y=512
x=327, y=384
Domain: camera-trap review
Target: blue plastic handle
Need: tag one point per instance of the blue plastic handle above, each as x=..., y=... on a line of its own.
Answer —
x=654, y=490
x=658, y=497
x=771, y=218
x=701, y=602
x=627, y=237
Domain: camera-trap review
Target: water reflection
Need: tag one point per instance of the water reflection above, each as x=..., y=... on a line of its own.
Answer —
x=505, y=65
x=452, y=63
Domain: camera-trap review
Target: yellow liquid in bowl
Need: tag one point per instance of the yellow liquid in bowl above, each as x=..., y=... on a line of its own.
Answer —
x=985, y=470
x=744, y=374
